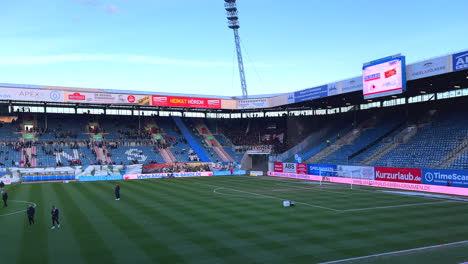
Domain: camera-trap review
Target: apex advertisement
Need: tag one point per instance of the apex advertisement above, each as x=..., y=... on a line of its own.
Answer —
x=192, y=102
x=40, y=95
x=384, y=77
x=405, y=175
x=454, y=178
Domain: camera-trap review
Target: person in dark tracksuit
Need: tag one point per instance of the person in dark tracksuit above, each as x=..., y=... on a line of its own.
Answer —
x=31, y=211
x=55, y=217
x=2, y=185
x=117, y=192
x=5, y=198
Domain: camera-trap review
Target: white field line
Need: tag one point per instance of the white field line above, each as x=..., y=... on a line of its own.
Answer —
x=396, y=252
x=371, y=191
x=394, y=206
x=375, y=207
x=215, y=190
x=272, y=197
x=19, y=212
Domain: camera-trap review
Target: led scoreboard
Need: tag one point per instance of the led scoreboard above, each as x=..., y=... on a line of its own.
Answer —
x=383, y=77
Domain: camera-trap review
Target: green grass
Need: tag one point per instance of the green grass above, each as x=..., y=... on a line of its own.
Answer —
x=227, y=220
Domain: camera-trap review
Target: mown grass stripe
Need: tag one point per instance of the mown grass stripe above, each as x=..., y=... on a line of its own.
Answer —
x=64, y=244
x=36, y=236
x=222, y=228
x=124, y=214
x=92, y=246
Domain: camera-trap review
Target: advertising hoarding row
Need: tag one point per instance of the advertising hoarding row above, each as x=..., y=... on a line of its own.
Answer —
x=388, y=81
x=379, y=184
x=442, y=177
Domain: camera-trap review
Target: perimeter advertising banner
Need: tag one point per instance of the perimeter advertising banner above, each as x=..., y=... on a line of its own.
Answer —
x=299, y=168
x=40, y=95
x=356, y=172
x=289, y=167
x=106, y=98
x=405, y=175
x=174, y=101
x=460, y=61
x=379, y=184
x=455, y=178
x=253, y=103
x=278, y=167
x=310, y=94
x=351, y=85
x=428, y=68
x=322, y=169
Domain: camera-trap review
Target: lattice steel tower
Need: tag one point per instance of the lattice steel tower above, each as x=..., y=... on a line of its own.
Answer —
x=233, y=23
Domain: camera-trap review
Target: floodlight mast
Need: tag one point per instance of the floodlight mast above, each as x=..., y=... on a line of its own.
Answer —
x=233, y=23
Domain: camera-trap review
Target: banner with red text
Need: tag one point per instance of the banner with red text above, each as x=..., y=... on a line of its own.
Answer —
x=405, y=175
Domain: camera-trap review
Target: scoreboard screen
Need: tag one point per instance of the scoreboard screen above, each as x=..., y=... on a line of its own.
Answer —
x=384, y=77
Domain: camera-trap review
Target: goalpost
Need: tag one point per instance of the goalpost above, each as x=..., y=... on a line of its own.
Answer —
x=326, y=174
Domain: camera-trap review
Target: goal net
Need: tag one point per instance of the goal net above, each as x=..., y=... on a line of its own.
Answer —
x=327, y=174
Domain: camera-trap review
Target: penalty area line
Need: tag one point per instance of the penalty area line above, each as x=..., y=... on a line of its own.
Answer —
x=272, y=197
x=396, y=252
x=19, y=212
x=393, y=206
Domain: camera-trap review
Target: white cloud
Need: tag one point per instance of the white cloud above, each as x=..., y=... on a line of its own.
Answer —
x=116, y=58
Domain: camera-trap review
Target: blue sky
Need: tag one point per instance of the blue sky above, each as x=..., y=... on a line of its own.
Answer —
x=186, y=47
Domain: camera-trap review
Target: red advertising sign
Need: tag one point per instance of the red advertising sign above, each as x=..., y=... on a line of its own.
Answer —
x=301, y=168
x=174, y=101
x=405, y=175
x=278, y=167
x=76, y=97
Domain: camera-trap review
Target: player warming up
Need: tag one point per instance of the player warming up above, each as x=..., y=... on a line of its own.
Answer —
x=31, y=211
x=55, y=217
x=5, y=198
x=117, y=192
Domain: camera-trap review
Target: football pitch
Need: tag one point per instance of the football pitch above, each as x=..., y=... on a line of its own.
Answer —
x=230, y=219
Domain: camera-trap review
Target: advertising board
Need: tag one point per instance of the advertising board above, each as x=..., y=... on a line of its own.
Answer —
x=322, y=169
x=406, y=175
x=253, y=103
x=356, y=172
x=379, y=184
x=278, y=167
x=310, y=94
x=289, y=167
x=456, y=178
x=428, y=68
x=105, y=98
x=460, y=61
x=174, y=101
x=21, y=94
x=351, y=85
